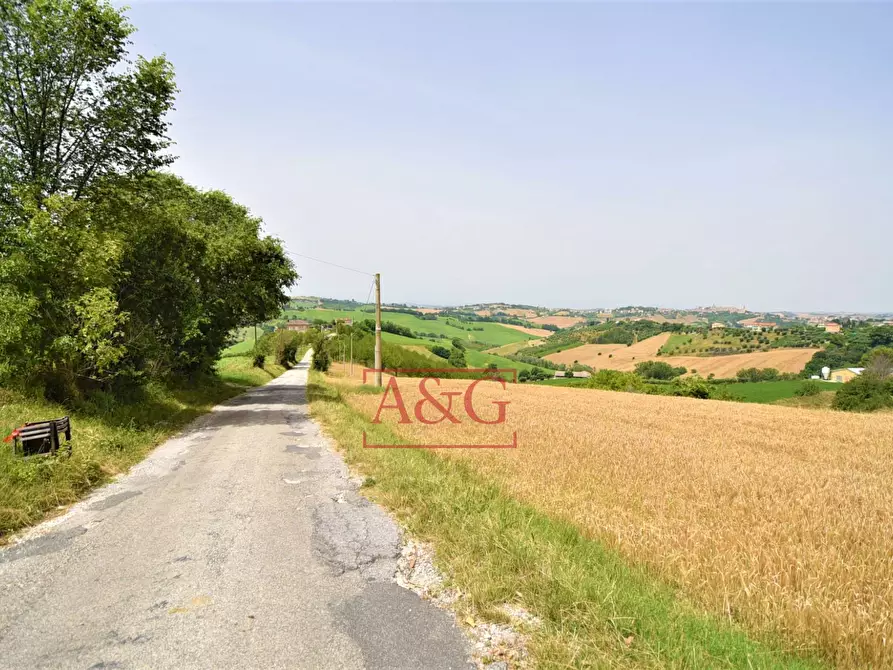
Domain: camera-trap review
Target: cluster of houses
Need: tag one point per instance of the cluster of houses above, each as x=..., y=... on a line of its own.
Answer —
x=302, y=325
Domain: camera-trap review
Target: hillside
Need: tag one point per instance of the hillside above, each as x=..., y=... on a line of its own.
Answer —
x=494, y=334
x=624, y=358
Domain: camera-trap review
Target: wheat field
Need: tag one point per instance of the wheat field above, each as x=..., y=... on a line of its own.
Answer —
x=777, y=518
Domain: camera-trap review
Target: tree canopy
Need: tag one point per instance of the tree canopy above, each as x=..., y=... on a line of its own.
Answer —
x=73, y=108
x=111, y=273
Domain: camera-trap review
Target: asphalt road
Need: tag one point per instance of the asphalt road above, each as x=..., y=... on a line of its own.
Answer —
x=242, y=543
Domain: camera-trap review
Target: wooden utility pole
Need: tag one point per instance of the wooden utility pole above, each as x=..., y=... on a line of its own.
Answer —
x=377, y=329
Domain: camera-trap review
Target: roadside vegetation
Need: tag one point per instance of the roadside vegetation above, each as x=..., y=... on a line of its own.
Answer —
x=108, y=436
x=598, y=608
x=120, y=284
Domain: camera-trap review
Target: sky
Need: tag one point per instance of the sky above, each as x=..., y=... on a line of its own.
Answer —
x=558, y=154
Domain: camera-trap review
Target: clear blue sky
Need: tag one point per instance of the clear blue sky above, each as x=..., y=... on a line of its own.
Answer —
x=559, y=154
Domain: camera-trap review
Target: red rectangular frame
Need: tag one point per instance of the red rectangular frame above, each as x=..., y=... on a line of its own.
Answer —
x=512, y=445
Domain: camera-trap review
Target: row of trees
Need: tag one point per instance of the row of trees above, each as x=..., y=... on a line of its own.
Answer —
x=111, y=273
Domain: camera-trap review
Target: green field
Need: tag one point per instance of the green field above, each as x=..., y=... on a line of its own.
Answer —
x=473, y=359
x=578, y=382
x=767, y=392
x=492, y=333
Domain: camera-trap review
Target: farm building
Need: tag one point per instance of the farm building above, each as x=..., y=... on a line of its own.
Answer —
x=832, y=327
x=298, y=325
x=717, y=326
x=844, y=375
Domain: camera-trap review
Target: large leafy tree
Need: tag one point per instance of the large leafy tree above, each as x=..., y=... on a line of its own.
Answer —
x=73, y=108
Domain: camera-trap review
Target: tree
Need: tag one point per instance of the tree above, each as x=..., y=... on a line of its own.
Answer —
x=457, y=358
x=147, y=280
x=658, y=370
x=438, y=350
x=73, y=109
x=879, y=362
x=458, y=344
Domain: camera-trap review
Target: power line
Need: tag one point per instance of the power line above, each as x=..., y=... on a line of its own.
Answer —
x=318, y=260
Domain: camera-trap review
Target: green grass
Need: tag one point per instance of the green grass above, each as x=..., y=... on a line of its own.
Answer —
x=544, y=350
x=413, y=341
x=107, y=438
x=597, y=610
x=239, y=348
x=481, y=359
x=492, y=333
x=473, y=358
x=563, y=381
x=767, y=392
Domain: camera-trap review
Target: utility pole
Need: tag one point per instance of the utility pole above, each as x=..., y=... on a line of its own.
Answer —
x=377, y=329
x=350, y=373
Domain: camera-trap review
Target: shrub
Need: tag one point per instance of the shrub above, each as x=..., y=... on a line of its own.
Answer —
x=808, y=388
x=457, y=357
x=658, y=370
x=259, y=360
x=865, y=393
x=693, y=387
x=614, y=380
x=321, y=358
x=438, y=350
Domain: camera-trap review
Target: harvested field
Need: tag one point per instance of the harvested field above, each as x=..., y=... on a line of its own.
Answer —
x=625, y=358
x=560, y=321
x=621, y=355
x=427, y=310
x=523, y=313
x=783, y=360
x=779, y=519
x=537, y=332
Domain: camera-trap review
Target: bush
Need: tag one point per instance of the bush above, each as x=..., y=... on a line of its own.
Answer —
x=457, y=357
x=658, y=370
x=614, y=380
x=808, y=388
x=757, y=375
x=438, y=350
x=259, y=360
x=321, y=358
x=865, y=393
x=693, y=387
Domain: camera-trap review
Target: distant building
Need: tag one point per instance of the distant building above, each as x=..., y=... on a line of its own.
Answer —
x=717, y=326
x=298, y=325
x=580, y=374
x=832, y=327
x=346, y=322
x=759, y=325
x=844, y=375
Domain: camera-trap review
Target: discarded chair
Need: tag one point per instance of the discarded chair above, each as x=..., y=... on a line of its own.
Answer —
x=40, y=438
